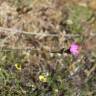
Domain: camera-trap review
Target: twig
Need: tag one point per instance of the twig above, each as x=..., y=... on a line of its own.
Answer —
x=18, y=48
x=35, y=33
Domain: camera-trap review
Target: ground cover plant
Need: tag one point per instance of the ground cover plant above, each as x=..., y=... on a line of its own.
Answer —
x=47, y=47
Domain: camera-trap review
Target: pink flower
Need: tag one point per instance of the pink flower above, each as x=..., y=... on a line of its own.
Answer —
x=74, y=49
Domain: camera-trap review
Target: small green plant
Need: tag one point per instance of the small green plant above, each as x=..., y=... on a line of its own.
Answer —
x=78, y=15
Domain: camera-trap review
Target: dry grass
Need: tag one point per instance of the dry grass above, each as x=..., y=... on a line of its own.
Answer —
x=32, y=33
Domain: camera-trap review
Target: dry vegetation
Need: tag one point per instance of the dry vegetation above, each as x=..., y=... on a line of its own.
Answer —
x=32, y=33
